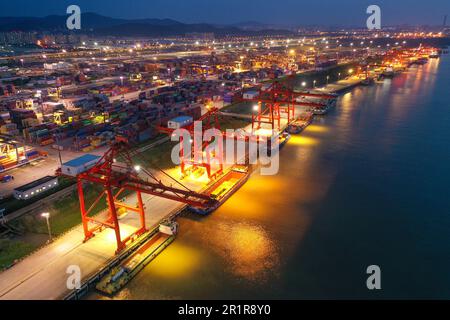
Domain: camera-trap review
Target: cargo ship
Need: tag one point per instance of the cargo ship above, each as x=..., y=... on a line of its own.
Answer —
x=388, y=72
x=327, y=105
x=321, y=110
x=283, y=138
x=421, y=60
x=434, y=55
x=224, y=187
x=120, y=275
x=301, y=123
x=367, y=81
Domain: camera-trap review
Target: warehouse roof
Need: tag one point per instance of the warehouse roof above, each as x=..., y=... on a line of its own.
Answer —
x=181, y=119
x=35, y=183
x=81, y=160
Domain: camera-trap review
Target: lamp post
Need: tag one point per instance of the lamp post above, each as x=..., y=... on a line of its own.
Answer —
x=46, y=215
x=314, y=83
x=328, y=78
x=339, y=76
x=121, y=81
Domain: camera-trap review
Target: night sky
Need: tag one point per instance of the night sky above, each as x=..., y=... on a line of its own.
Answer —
x=286, y=12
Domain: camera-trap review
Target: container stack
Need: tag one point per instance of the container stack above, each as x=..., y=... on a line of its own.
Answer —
x=20, y=116
x=9, y=129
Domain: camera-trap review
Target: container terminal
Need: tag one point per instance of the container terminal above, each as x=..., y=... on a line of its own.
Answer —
x=86, y=117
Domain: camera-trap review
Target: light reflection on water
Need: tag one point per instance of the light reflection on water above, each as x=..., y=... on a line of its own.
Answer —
x=251, y=253
x=351, y=191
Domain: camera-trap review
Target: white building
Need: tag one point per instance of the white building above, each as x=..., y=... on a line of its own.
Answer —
x=79, y=165
x=35, y=188
x=179, y=122
x=57, y=66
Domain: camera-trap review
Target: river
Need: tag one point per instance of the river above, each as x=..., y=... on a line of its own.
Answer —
x=366, y=184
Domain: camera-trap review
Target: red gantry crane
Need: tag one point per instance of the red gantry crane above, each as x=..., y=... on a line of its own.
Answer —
x=116, y=172
x=196, y=158
x=279, y=99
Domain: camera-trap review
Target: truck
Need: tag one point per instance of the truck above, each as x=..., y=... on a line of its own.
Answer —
x=6, y=178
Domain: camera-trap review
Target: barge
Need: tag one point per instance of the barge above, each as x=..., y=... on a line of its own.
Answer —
x=301, y=123
x=224, y=188
x=327, y=105
x=434, y=55
x=388, y=72
x=119, y=276
x=283, y=138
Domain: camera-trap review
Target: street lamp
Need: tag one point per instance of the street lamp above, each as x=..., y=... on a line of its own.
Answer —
x=339, y=76
x=328, y=78
x=314, y=83
x=46, y=215
x=121, y=80
x=303, y=84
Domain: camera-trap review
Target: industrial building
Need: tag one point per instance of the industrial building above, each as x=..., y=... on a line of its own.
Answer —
x=179, y=122
x=79, y=165
x=36, y=187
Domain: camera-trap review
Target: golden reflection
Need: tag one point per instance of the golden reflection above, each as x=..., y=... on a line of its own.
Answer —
x=246, y=203
x=303, y=141
x=249, y=250
x=177, y=261
x=317, y=128
x=346, y=99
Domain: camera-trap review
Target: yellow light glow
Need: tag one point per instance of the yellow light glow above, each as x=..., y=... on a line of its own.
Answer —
x=177, y=261
x=125, y=231
x=264, y=132
x=303, y=141
x=317, y=128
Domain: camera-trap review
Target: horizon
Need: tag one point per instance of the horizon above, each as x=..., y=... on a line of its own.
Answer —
x=284, y=13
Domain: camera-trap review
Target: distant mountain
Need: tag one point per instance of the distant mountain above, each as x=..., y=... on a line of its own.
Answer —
x=106, y=26
x=257, y=26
